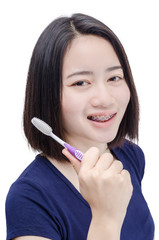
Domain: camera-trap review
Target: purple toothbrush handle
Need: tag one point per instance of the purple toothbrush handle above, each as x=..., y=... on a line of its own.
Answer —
x=74, y=151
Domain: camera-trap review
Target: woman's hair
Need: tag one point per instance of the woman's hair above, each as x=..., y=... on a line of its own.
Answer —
x=44, y=81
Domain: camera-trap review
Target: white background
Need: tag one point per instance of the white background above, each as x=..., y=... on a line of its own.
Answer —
x=136, y=23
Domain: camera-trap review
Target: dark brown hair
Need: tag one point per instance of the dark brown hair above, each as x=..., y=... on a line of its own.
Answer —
x=43, y=89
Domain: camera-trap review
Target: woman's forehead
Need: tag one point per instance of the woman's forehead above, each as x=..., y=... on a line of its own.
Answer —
x=88, y=52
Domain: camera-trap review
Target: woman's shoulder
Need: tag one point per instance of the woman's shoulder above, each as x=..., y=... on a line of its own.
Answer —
x=37, y=175
x=129, y=146
x=131, y=149
x=38, y=172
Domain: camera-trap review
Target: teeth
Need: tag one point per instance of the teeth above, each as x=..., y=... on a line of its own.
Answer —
x=101, y=118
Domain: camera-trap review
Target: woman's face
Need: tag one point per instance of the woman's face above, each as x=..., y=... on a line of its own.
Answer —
x=95, y=94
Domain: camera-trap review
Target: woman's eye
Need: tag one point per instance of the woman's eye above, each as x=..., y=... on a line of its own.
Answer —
x=115, y=79
x=80, y=83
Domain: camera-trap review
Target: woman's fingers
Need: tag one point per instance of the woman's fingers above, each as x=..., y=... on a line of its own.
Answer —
x=126, y=174
x=88, y=161
x=105, y=161
x=90, y=158
x=116, y=167
x=75, y=163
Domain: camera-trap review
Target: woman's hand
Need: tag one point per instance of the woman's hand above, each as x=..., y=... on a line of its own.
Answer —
x=104, y=185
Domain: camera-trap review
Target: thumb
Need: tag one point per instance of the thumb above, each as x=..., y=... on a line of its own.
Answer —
x=75, y=163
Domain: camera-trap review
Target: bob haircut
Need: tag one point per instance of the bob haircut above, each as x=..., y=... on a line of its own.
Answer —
x=44, y=82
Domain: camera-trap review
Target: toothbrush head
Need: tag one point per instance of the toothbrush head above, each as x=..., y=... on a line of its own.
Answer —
x=47, y=130
x=42, y=126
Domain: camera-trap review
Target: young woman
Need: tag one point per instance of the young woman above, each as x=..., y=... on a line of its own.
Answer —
x=80, y=83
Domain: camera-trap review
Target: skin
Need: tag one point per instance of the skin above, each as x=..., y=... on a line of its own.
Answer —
x=93, y=85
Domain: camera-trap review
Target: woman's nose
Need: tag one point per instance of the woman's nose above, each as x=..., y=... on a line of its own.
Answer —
x=102, y=96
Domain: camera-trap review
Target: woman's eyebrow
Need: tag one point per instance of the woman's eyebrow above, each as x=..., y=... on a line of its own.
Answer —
x=114, y=68
x=80, y=73
x=91, y=73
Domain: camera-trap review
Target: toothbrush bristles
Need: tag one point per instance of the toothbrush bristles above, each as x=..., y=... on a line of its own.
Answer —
x=41, y=126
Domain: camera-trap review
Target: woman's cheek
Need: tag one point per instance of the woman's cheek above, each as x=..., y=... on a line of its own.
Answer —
x=124, y=96
x=127, y=95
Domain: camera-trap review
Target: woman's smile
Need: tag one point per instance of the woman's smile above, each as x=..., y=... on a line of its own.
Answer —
x=102, y=121
x=101, y=117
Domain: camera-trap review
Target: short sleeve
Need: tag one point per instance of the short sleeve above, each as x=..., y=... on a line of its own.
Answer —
x=28, y=212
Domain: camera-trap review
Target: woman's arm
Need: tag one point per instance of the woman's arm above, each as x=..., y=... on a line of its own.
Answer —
x=102, y=229
x=107, y=188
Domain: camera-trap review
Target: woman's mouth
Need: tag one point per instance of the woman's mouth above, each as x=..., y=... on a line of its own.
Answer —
x=101, y=118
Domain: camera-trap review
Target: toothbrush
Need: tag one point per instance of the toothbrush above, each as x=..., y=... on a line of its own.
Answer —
x=47, y=130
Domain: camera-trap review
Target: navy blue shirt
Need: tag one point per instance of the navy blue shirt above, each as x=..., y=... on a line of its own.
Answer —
x=43, y=202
